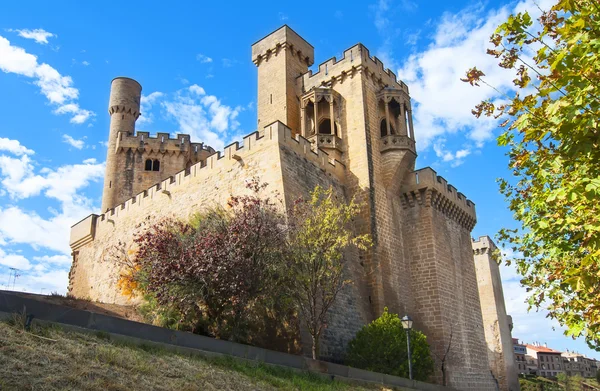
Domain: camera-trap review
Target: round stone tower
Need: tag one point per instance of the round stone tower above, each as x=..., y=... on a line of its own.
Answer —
x=124, y=110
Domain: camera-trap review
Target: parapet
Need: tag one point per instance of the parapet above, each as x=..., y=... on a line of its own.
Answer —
x=162, y=142
x=425, y=187
x=483, y=243
x=84, y=231
x=355, y=59
x=125, y=95
x=283, y=37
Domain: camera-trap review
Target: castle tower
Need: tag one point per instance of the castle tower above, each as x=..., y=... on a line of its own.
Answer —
x=124, y=110
x=497, y=324
x=134, y=160
x=281, y=57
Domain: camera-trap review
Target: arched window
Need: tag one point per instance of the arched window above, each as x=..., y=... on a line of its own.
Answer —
x=325, y=127
x=156, y=165
x=148, y=166
x=383, y=128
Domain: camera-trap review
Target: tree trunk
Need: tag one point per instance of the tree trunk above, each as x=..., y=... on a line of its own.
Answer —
x=315, y=347
x=444, y=374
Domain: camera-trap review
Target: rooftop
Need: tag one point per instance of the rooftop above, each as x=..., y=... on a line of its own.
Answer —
x=542, y=349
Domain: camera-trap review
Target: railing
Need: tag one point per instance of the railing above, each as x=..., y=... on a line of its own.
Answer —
x=326, y=141
x=396, y=142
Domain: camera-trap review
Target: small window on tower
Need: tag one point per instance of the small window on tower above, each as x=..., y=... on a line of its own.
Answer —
x=156, y=165
x=148, y=166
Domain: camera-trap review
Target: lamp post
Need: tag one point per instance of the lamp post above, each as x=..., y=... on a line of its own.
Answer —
x=407, y=325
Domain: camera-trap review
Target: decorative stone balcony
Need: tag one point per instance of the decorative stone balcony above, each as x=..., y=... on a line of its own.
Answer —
x=326, y=141
x=395, y=142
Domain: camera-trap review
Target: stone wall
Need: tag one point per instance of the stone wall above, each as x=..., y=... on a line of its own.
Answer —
x=437, y=226
x=352, y=309
x=206, y=184
x=289, y=166
x=497, y=329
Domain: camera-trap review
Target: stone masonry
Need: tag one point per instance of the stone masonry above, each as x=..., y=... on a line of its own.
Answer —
x=496, y=322
x=347, y=126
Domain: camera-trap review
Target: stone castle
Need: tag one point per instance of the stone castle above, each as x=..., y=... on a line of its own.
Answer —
x=347, y=126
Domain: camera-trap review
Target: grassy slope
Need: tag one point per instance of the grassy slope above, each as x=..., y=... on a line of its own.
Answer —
x=77, y=361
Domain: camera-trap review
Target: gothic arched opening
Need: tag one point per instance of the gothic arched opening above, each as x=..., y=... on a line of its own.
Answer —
x=148, y=165
x=383, y=128
x=325, y=127
x=156, y=165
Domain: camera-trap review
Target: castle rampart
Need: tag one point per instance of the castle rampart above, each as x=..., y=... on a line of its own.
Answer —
x=160, y=143
x=84, y=231
x=426, y=188
x=355, y=59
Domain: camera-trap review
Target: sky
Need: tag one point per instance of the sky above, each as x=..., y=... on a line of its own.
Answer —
x=193, y=59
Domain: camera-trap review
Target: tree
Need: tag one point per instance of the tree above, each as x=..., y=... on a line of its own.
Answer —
x=446, y=356
x=380, y=346
x=221, y=272
x=320, y=231
x=553, y=139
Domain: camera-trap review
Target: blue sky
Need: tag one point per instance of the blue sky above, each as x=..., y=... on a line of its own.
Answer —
x=193, y=61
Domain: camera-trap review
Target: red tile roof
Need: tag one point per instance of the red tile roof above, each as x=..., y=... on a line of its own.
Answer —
x=542, y=349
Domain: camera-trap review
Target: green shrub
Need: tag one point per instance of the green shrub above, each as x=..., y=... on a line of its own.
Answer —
x=381, y=347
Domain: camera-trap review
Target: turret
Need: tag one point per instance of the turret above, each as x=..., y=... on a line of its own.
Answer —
x=124, y=110
x=281, y=57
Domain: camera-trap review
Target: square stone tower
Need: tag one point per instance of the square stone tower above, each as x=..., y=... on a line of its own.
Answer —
x=497, y=323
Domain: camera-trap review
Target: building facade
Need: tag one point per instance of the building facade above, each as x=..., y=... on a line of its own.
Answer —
x=549, y=361
x=347, y=126
x=578, y=364
x=520, y=352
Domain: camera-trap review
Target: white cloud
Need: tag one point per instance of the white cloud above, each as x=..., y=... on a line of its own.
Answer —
x=39, y=280
x=14, y=147
x=39, y=35
x=447, y=156
x=61, y=184
x=58, y=89
x=64, y=260
x=228, y=62
x=79, y=144
x=146, y=103
x=16, y=261
x=79, y=115
x=203, y=59
x=202, y=116
x=85, y=63
x=20, y=226
x=442, y=103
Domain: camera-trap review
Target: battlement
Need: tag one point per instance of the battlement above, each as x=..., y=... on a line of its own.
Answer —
x=356, y=58
x=483, y=245
x=442, y=195
x=283, y=38
x=84, y=231
x=161, y=142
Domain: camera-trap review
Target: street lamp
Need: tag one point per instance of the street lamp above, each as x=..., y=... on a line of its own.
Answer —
x=407, y=323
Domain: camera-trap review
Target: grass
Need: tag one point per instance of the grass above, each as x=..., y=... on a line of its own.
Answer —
x=50, y=358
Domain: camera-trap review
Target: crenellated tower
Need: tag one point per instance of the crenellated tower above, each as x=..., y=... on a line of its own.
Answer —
x=281, y=57
x=124, y=110
x=135, y=161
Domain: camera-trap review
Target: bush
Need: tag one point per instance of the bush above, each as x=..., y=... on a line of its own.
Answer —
x=220, y=274
x=381, y=347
